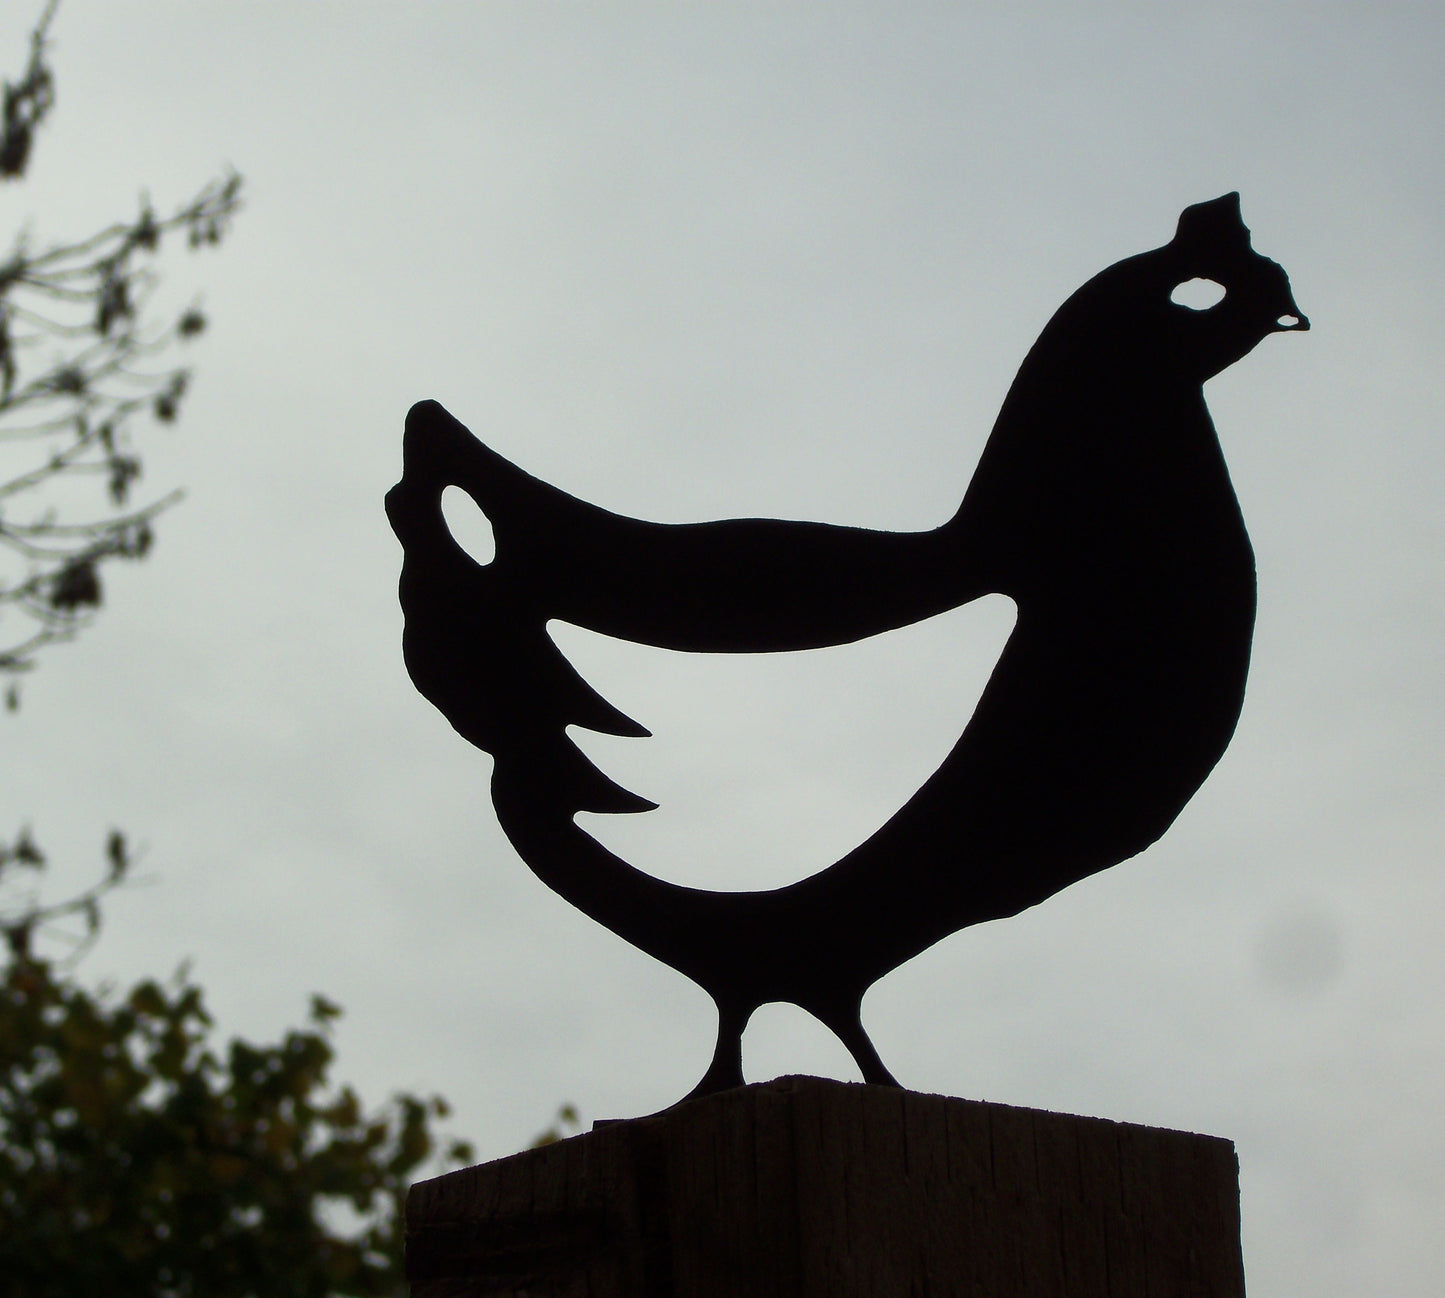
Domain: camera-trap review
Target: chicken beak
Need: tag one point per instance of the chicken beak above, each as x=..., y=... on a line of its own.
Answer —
x=1292, y=319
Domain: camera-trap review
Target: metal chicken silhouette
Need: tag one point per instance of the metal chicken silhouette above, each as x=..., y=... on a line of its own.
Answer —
x=1101, y=506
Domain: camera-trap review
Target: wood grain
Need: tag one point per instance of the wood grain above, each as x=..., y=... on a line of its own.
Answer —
x=805, y=1188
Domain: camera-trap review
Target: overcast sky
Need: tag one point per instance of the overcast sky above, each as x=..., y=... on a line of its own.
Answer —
x=754, y=259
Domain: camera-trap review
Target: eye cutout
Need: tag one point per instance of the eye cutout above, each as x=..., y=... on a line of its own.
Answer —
x=1198, y=294
x=470, y=528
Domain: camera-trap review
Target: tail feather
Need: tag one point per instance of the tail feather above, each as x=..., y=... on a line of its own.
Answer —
x=585, y=707
x=476, y=640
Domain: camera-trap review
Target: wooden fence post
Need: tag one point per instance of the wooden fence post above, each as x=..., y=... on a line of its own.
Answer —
x=805, y=1188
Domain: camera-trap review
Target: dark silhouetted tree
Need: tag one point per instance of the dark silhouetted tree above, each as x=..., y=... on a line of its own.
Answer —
x=139, y=1156
x=81, y=364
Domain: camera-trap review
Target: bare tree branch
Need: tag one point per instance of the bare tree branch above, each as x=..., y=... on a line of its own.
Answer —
x=82, y=359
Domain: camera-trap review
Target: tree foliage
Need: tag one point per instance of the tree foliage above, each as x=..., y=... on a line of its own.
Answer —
x=139, y=1157
x=82, y=361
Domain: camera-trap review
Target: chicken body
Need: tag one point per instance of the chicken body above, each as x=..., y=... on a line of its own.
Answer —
x=1101, y=505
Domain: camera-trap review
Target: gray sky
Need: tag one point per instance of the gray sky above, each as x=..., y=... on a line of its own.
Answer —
x=693, y=262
